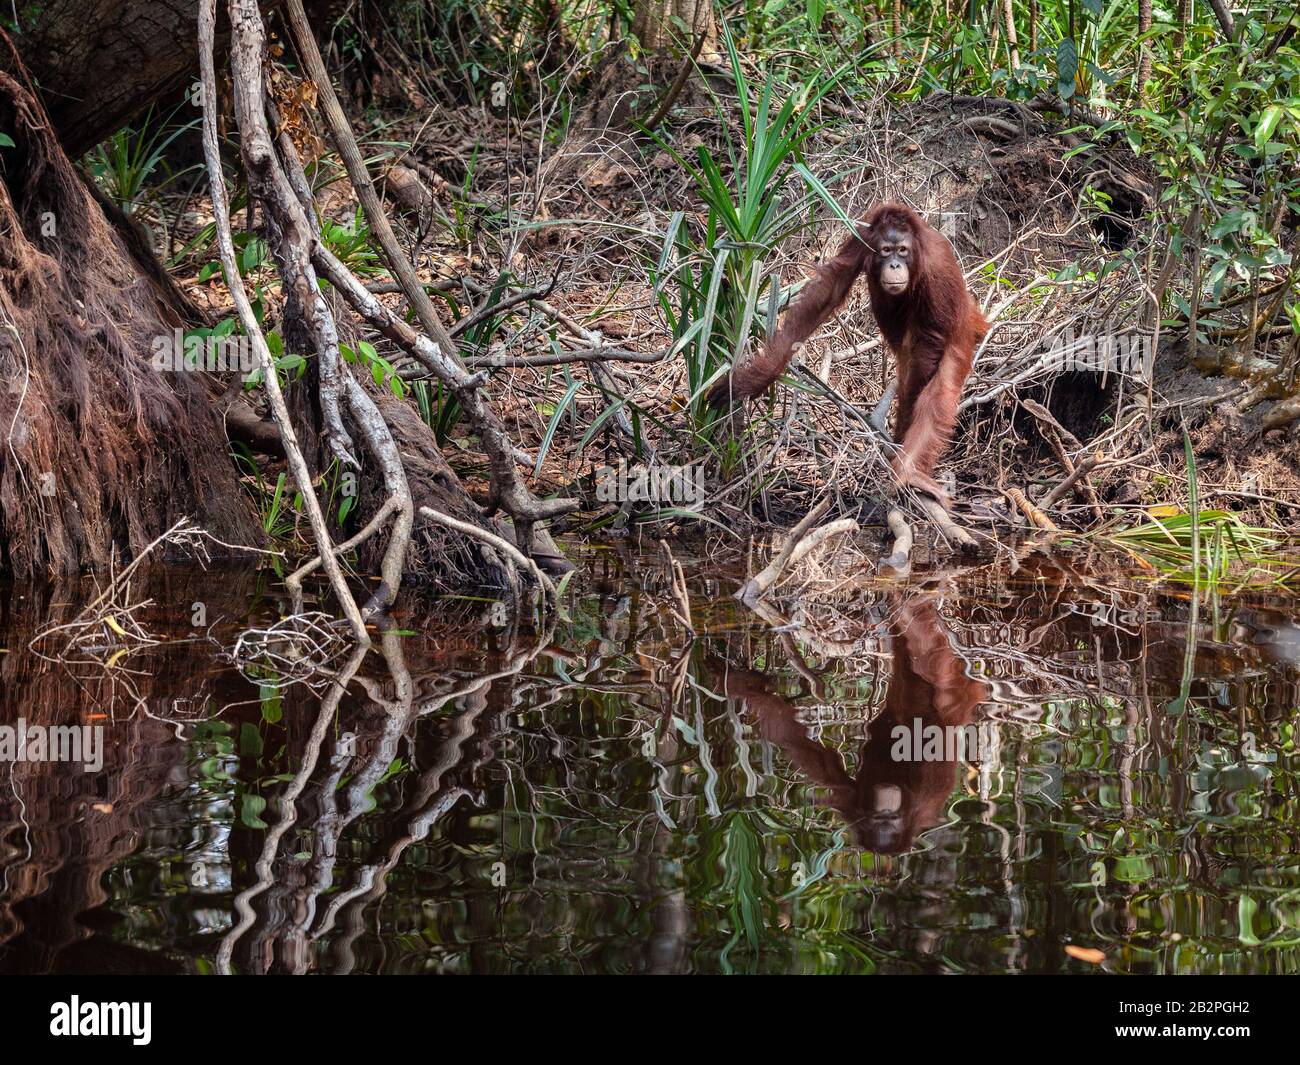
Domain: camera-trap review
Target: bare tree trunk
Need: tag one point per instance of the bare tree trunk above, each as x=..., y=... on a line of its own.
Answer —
x=1224, y=16
x=1144, y=49
x=654, y=24
x=1180, y=34
x=1013, y=49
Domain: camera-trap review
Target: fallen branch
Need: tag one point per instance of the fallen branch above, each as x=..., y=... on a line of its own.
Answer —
x=1081, y=470
x=797, y=546
x=1058, y=437
x=507, y=549
x=943, y=521
x=900, y=559
x=1033, y=513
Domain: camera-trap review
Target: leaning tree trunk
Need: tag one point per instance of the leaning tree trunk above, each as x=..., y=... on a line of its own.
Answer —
x=657, y=24
x=100, y=64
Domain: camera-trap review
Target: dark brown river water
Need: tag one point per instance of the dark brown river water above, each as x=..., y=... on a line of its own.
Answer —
x=612, y=796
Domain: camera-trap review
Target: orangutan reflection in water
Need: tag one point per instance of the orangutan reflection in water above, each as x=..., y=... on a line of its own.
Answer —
x=891, y=801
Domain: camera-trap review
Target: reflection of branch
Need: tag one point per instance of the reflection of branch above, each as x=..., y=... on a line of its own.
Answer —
x=432, y=798
x=265, y=863
x=298, y=648
x=285, y=921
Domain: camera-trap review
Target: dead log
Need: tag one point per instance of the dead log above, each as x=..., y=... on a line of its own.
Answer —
x=100, y=64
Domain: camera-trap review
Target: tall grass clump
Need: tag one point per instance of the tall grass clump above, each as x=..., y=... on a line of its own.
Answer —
x=711, y=281
x=1204, y=548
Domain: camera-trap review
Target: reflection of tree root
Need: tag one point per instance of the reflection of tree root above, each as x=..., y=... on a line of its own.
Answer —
x=302, y=648
x=681, y=598
x=107, y=622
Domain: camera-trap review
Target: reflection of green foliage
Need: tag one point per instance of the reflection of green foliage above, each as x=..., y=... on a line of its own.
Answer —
x=214, y=747
x=742, y=860
x=635, y=832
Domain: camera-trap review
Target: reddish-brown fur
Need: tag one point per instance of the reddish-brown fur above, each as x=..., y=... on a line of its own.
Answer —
x=932, y=328
x=929, y=681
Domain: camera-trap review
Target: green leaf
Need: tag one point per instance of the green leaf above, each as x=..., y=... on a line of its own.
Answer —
x=1267, y=124
x=1067, y=67
x=345, y=508
x=814, y=183
x=555, y=424
x=600, y=420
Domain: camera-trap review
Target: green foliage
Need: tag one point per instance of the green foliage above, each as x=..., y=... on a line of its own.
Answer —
x=710, y=281
x=1204, y=548
x=383, y=372
x=124, y=165
x=351, y=244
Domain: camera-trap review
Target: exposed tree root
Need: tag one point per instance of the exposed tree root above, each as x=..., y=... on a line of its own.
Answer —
x=507, y=550
x=403, y=469
x=258, y=155
x=101, y=451
x=900, y=559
